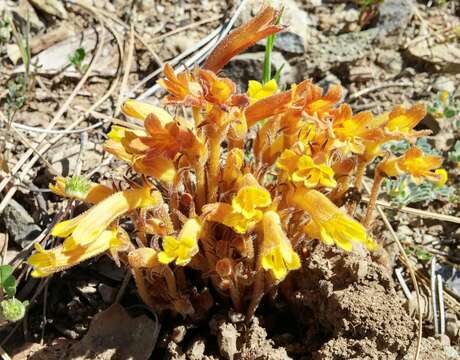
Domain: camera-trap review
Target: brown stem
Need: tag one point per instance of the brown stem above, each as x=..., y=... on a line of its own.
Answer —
x=259, y=284
x=235, y=295
x=200, y=185
x=360, y=172
x=378, y=178
x=214, y=162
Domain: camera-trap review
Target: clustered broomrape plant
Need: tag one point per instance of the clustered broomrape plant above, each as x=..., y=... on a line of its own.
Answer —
x=227, y=195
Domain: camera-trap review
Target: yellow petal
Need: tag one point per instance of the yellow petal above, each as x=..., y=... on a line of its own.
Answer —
x=141, y=110
x=143, y=258
x=99, y=217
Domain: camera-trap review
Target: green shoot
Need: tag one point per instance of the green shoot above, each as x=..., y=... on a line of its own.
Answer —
x=266, y=76
x=77, y=58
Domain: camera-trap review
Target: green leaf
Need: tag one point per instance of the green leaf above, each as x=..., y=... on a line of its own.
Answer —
x=266, y=76
x=278, y=74
x=449, y=112
x=423, y=255
x=77, y=57
x=5, y=272
x=9, y=285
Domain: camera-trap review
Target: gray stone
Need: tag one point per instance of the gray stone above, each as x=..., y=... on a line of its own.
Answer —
x=19, y=224
x=289, y=42
x=443, y=83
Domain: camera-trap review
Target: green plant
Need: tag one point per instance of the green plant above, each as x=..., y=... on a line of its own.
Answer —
x=403, y=191
x=454, y=155
x=76, y=59
x=16, y=96
x=5, y=29
x=444, y=107
x=11, y=309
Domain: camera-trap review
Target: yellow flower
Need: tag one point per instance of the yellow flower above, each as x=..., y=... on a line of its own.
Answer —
x=442, y=173
x=277, y=253
x=233, y=164
x=257, y=90
x=81, y=189
x=47, y=262
x=415, y=163
x=403, y=121
x=184, y=247
x=246, y=209
x=328, y=222
x=140, y=110
x=302, y=169
x=87, y=227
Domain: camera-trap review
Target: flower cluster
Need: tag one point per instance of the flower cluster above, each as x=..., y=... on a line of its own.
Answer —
x=234, y=186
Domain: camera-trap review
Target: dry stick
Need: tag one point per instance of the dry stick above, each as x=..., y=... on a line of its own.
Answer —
x=187, y=27
x=411, y=272
x=53, y=122
x=127, y=68
x=377, y=87
x=4, y=355
x=418, y=212
x=46, y=147
x=27, y=143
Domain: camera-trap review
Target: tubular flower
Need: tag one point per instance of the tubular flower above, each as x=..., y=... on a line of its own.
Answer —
x=246, y=209
x=319, y=104
x=182, y=88
x=79, y=188
x=403, y=121
x=257, y=90
x=277, y=253
x=415, y=163
x=140, y=110
x=233, y=165
x=184, y=247
x=329, y=223
x=349, y=130
x=47, y=262
x=302, y=169
x=259, y=27
x=87, y=227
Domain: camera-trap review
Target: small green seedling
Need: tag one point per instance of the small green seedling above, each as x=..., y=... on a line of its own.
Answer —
x=11, y=309
x=76, y=59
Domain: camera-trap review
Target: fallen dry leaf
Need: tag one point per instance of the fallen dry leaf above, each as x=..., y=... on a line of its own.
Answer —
x=113, y=334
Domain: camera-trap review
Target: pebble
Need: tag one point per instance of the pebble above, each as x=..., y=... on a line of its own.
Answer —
x=443, y=83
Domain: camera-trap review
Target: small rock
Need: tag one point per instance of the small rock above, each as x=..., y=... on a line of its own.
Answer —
x=444, y=339
x=444, y=56
x=361, y=73
x=227, y=337
x=178, y=334
x=196, y=350
x=289, y=42
x=443, y=83
x=405, y=231
x=360, y=269
x=19, y=224
x=394, y=16
x=390, y=60
x=452, y=325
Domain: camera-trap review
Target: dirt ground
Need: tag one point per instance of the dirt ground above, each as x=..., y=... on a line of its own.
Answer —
x=339, y=306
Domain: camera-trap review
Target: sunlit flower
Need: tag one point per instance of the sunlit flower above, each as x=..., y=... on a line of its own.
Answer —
x=182, y=249
x=233, y=165
x=182, y=88
x=417, y=164
x=277, y=253
x=350, y=129
x=257, y=90
x=79, y=188
x=47, y=262
x=403, y=121
x=87, y=227
x=320, y=104
x=140, y=110
x=259, y=27
x=246, y=209
x=302, y=169
x=329, y=223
